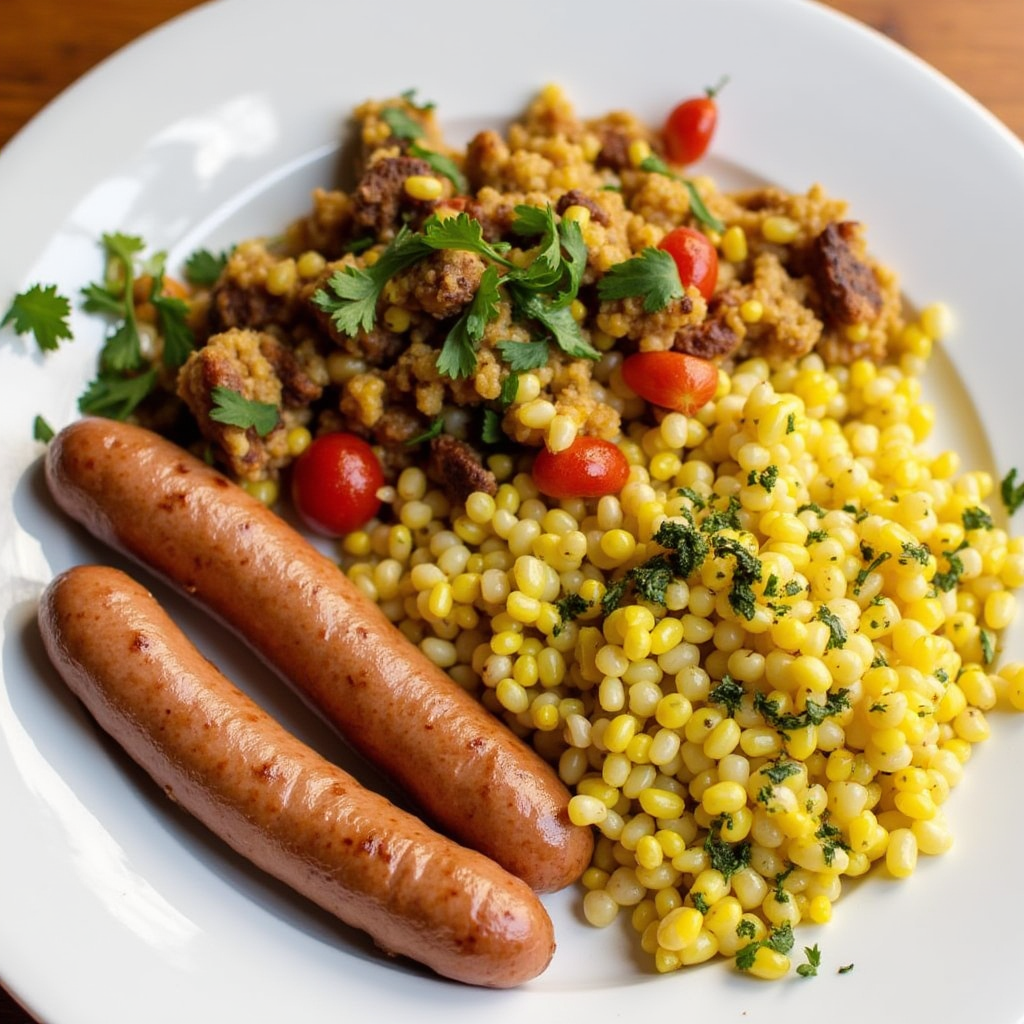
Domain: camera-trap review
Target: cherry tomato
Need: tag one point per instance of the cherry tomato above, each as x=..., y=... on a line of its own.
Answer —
x=589, y=468
x=673, y=380
x=335, y=483
x=690, y=125
x=695, y=256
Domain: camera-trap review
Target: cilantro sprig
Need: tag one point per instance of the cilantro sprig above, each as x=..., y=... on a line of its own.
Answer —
x=540, y=292
x=125, y=378
x=234, y=409
x=1011, y=492
x=652, y=274
x=779, y=939
x=42, y=312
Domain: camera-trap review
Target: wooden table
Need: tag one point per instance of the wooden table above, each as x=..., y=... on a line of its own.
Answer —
x=46, y=44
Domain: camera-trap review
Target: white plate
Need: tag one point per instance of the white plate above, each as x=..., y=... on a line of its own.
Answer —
x=116, y=909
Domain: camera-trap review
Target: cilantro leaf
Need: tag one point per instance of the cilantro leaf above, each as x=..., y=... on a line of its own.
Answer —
x=653, y=274
x=725, y=856
x=524, y=355
x=42, y=311
x=810, y=969
x=1011, y=492
x=171, y=316
x=746, y=572
x=116, y=396
x=458, y=353
x=509, y=389
x=435, y=429
x=558, y=320
x=443, y=165
x=813, y=713
x=353, y=305
x=401, y=124
x=122, y=350
x=462, y=232
x=988, y=646
x=204, y=267
x=656, y=165
x=491, y=432
x=236, y=410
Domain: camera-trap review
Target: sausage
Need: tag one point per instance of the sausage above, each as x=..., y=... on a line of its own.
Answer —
x=475, y=780
x=277, y=802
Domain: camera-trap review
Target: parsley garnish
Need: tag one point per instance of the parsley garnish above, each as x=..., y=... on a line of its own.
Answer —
x=490, y=431
x=568, y=608
x=441, y=164
x=236, y=410
x=747, y=571
x=686, y=551
x=116, y=396
x=653, y=274
x=41, y=430
x=813, y=713
x=947, y=580
x=862, y=576
x=988, y=645
x=695, y=499
x=836, y=629
x=727, y=692
x=779, y=939
x=655, y=165
x=845, y=969
x=204, y=267
x=401, y=124
x=42, y=311
x=351, y=295
x=746, y=928
x=458, y=353
x=779, y=771
x=914, y=553
x=524, y=355
x=124, y=380
x=810, y=969
x=1011, y=493
x=700, y=902
x=435, y=429
x=767, y=478
x=723, y=519
x=724, y=856
x=831, y=840
x=975, y=518
x=811, y=506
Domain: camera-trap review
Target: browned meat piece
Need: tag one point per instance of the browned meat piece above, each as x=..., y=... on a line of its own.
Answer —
x=846, y=284
x=258, y=367
x=446, y=281
x=397, y=426
x=711, y=339
x=236, y=305
x=298, y=389
x=457, y=467
x=494, y=222
x=380, y=197
x=614, y=151
x=576, y=197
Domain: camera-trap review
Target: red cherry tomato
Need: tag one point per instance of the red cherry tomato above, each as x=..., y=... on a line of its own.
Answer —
x=690, y=126
x=696, y=258
x=673, y=380
x=589, y=468
x=335, y=483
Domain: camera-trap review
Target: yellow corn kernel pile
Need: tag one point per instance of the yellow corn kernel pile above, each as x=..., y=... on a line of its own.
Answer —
x=795, y=710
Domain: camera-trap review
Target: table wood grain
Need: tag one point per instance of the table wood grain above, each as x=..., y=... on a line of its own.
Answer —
x=45, y=45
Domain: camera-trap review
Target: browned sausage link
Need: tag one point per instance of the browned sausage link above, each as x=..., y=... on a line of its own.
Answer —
x=276, y=801
x=478, y=782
